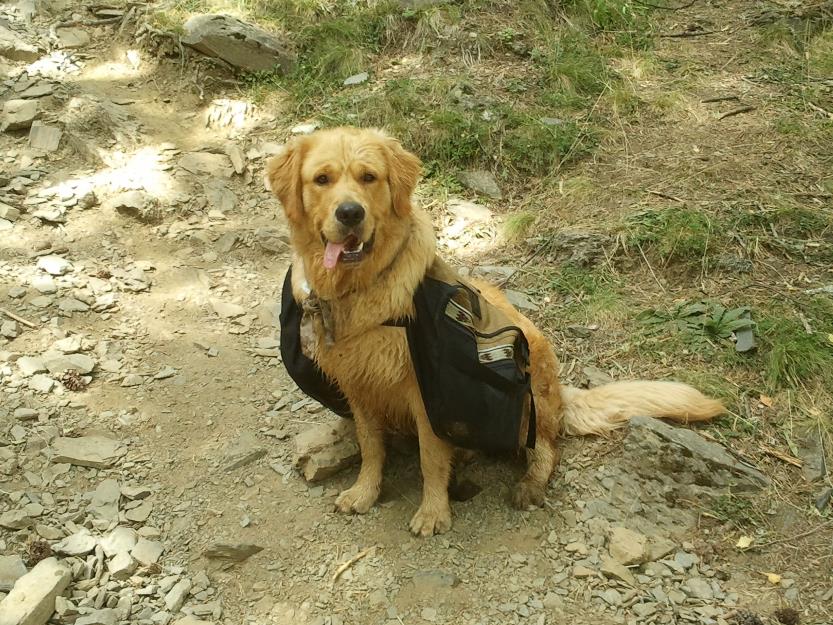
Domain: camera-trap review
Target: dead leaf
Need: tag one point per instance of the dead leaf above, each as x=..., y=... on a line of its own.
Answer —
x=773, y=578
x=744, y=542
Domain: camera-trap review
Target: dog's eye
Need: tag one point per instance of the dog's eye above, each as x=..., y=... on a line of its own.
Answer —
x=322, y=179
x=368, y=177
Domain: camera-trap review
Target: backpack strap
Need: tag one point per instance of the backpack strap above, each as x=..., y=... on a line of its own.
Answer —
x=532, y=428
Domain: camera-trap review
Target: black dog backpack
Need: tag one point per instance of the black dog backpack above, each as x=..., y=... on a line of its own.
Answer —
x=471, y=363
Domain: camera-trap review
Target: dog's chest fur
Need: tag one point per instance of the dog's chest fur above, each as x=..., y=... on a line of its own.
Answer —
x=371, y=362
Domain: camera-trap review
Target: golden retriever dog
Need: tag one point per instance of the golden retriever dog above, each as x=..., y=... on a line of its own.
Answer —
x=360, y=244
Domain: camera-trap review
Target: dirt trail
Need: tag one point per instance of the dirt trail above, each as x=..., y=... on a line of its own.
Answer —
x=174, y=291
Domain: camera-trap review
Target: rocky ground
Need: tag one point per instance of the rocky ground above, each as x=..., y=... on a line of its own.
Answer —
x=148, y=455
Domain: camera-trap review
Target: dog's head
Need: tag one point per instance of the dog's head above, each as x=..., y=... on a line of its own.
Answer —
x=344, y=189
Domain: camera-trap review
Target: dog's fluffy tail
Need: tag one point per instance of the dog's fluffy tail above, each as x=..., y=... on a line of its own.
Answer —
x=605, y=408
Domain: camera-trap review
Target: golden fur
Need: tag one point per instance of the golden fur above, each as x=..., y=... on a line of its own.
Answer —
x=371, y=362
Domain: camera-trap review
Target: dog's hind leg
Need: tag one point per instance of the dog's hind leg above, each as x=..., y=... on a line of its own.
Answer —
x=532, y=488
x=435, y=458
x=364, y=493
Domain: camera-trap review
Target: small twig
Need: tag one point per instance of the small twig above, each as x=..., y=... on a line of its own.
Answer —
x=781, y=456
x=666, y=196
x=719, y=98
x=819, y=109
x=689, y=33
x=679, y=7
x=791, y=538
x=537, y=251
x=351, y=562
x=813, y=196
x=807, y=327
x=651, y=269
x=737, y=111
x=18, y=318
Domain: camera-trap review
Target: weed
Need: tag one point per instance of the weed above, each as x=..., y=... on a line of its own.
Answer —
x=588, y=294
x=607, y=15
x=673, y=233
x=794, y=357
x=700, y=321
x=517, y=224
x=739, y=511
x=819, y=54
x=571, y=70
x=535, y=148
x=784, y=217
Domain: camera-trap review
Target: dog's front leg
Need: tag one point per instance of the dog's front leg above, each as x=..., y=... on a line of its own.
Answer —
x=435, y=457
x=364, y=493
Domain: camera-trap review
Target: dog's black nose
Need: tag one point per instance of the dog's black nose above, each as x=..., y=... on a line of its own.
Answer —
x=350, y=213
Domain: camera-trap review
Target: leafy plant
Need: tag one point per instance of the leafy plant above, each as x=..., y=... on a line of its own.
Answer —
x=701, y=320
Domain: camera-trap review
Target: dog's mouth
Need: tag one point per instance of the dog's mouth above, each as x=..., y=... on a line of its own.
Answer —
x=349, y=251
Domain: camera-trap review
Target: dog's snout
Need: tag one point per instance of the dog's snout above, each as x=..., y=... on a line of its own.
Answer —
x=350, y=213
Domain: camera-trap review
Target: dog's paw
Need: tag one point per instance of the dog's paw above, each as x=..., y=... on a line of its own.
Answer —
x=430, y=521
x=356, y=499
x=528, y=495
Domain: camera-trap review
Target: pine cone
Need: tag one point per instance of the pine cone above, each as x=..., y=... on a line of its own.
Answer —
x=744, y=617
x=38, y=550
x=788, y=616
x=72, y=380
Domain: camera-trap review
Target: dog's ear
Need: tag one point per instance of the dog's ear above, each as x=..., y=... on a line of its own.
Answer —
x=404, y=170
x=283, y=177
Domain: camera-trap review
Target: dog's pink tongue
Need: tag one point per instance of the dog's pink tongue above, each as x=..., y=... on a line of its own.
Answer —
x=331, y=254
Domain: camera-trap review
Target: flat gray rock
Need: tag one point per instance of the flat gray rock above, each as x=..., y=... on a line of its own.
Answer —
x=245, y=449
x=240, y=44
x=13, y=47
x=30, y=365
x=120, y=540
x=43, y=137
x=146, y=551
x=122, y=566
x=468, y=211
x=54, y=265
x=12, y=568
x=78, y=544
x=520, y=300
x=105, y=501
x=232, y=551
x=41, y=383
x=19, y=114
x=481, y=181
x=106, y=616
x=81, y=363
x=709, y=461
x=356, y=79
x=325, y=449
x=32, y=601
x=227, y=310
x=16, y=520
x=72, y=37
x=9, y=213
x=207, y=163
x=87, y=451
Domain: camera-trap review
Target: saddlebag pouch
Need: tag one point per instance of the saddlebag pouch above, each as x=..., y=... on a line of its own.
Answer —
x=471, y=363
x=303, y=370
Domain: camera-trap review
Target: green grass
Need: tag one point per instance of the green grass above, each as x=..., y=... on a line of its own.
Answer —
x=738, y=511
x=792, y=357
x=588, y=295
x=571, y=70
x=450, y=121
x=675, y=233
x=445, y=122
x=517, y=224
